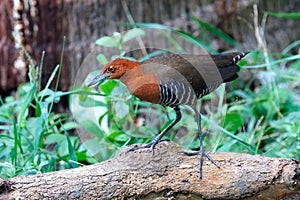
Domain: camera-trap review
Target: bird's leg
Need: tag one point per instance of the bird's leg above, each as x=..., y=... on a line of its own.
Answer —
x=157, y=139
x=201, y=151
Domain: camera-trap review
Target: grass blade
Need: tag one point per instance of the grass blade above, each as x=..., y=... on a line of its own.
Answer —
x=248, y=146
x=284, y=15
x=17, y=144
x=187, y=36
x=215, y=31
x=25, y=104
x=71, y=150
x=288, y=48
x=49, y=82
x=295, y=57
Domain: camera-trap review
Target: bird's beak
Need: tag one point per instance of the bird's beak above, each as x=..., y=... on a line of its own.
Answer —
x=97, y=79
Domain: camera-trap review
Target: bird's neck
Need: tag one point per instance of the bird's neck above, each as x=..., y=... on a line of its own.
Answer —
x=131, y=73
x=131, y=69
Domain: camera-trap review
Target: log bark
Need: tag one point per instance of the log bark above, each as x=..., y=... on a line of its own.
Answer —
x=166, y=175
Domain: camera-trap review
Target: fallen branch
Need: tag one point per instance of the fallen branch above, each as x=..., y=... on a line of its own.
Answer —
x=168, y=174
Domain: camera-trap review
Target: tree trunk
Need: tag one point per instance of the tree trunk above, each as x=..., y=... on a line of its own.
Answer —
x=41, y=25
x=166, y=175
x=10, y=76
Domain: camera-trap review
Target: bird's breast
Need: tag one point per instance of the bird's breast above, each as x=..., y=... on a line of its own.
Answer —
x=143, y=86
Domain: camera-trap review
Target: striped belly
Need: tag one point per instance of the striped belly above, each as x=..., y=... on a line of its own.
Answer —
x=178, y=93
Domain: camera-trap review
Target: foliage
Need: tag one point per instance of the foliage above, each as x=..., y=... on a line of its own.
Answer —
x=257, y=116
x=262, y=121
x=33, y=139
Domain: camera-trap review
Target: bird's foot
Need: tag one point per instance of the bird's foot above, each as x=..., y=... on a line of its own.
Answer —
x=193, y=153
x=146, y=146
x=201, y=153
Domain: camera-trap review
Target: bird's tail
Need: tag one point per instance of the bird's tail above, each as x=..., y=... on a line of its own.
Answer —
x=227, y=65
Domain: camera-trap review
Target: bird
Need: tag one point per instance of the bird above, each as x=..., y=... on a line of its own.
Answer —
x=173, y=80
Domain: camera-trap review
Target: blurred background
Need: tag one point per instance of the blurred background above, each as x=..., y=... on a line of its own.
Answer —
x=41, y=25
x=259, y=115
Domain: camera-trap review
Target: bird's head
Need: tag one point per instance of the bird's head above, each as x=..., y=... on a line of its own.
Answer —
x=114, y=69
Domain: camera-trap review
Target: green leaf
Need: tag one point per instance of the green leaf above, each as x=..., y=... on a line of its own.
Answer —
x=71, y=150
x=58, y=94
x=227, y=146
x=284, y=15
x=41, y=94
x=83, y=97
x=6, y=128
x=118, y=136
x=26, y=102
x=17, y=145
x=92, y=102
x=91, y=127
x=101, y=59
x=4, y=120
x=86, y=92
x=68, y=126
x=232, y=122
x=133, y=33
x=9, y=99
x=117, y=36
x=108, y=86
x=102, y=117
x=54, y=138
x=122, y=109
x=92, y=146
x=55, y=96
x=35, y=126
x=81, y=156
x=249, y=146
x=45, y=92
x=43, y=111
x=107, y=41
x=38, y=111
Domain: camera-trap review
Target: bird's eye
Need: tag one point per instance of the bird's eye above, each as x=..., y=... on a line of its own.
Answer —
x=111, y=69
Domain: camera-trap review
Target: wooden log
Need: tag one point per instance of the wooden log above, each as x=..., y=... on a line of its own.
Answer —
x=166, y=175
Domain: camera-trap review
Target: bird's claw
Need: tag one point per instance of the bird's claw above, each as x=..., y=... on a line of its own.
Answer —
x=193, y=153
x=151, y=144
x=202, y=153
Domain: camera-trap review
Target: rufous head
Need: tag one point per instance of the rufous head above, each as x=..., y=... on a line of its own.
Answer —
x=114, y=69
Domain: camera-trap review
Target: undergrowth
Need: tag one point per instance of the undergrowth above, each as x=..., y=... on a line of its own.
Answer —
x=256, y=116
